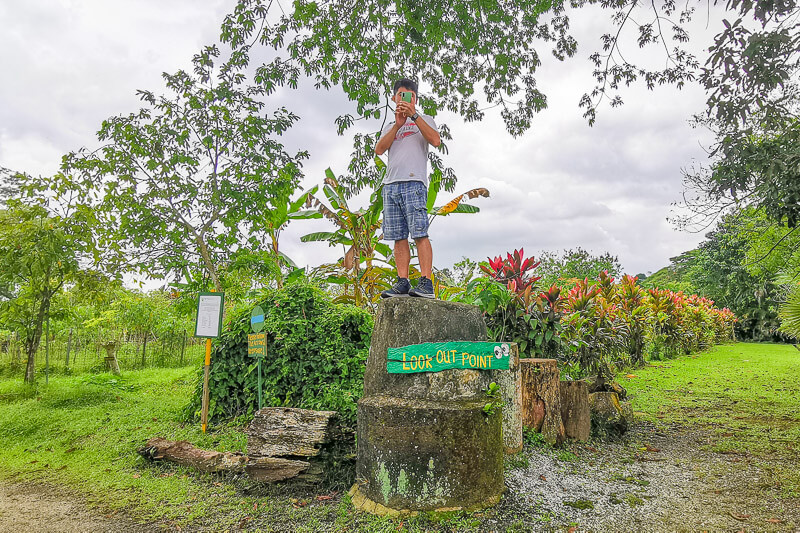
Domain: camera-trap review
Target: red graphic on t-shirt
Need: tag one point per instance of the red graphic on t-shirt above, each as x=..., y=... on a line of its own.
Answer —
x=406, y=130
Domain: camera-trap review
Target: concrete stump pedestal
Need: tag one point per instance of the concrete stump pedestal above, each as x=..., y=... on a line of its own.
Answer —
x=425, y=442
x=422, y=455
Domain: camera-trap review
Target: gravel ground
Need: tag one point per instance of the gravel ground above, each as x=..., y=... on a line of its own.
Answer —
x=650, y=480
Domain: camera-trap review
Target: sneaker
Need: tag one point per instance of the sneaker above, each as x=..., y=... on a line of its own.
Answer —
x=424, y=289
x=400, y=288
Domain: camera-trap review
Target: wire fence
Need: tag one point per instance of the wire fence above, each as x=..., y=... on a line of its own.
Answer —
x=79, y=351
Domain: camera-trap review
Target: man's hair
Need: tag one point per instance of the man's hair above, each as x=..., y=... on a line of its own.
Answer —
x=405, y=82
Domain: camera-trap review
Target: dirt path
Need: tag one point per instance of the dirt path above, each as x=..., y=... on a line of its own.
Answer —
x=31, y=507
x=651, y=481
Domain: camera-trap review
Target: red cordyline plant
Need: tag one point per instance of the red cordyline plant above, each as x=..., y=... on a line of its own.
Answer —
x=514, y=271
x=634, y=313
x=581, y=296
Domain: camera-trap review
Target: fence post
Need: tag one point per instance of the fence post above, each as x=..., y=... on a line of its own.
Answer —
x=69, y=346
x=144, y=348
x=183, y=346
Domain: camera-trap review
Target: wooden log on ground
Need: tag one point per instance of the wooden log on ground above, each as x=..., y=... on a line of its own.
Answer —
x=288, y=432
x=273, y=469
x=541, y=398
x=575, y=412
x=183, y=453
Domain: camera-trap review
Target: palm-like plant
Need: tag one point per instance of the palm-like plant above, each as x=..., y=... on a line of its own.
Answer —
x=790, y=313
x=357, y=232
x=283, y=211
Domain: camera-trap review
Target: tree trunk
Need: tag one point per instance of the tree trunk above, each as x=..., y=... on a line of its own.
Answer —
x=69, y=347
x=47, y=350
x=32, y=342
x=575, y=412
x=212, y=271
x=182, y=452
x=541, y=398
x=17, y=349
x=111, y=357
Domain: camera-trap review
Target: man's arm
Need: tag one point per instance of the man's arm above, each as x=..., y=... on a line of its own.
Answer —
x=430, y=134
x=386, y=140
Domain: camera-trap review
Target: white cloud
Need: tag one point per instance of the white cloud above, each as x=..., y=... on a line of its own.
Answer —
x=68, y=65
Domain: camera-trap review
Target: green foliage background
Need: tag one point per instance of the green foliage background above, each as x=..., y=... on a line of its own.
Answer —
x=316, y=355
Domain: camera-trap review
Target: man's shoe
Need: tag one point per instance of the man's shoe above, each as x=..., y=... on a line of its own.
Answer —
x=424, y=289
x=400, y=288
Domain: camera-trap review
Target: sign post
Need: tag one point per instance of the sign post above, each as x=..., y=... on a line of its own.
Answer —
x=257, y=343
x=208, y=325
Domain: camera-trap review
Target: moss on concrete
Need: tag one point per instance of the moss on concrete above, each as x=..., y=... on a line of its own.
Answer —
x=426, y=455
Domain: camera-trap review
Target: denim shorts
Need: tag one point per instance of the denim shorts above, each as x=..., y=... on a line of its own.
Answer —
x=405, y=210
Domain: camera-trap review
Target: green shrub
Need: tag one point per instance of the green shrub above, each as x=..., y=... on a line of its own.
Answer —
x=316, y=355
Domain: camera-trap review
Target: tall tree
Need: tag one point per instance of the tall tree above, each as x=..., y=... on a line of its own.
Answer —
x=480, y=56
x=578, y=263
x=183, y=180
x=38, y=255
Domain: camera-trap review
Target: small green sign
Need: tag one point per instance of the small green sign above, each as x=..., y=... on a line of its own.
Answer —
x=438, y=356
x=257, y=345
x=257, y=319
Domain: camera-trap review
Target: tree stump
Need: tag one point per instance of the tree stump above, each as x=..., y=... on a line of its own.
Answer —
x=425, y=442
x=575, y=412
x=541, y=398
x=111, y=357
x=284, y=443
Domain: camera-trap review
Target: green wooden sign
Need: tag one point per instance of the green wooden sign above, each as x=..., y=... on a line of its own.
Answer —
x=438, y=356
x=257, y=319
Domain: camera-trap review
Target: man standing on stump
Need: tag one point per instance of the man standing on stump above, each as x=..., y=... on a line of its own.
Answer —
x=405, y=189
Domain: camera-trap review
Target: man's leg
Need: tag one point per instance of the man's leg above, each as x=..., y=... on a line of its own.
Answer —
x=424, y=288
x=425, y=253
x=402, y=257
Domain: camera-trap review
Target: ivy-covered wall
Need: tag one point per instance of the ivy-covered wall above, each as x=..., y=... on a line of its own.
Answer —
x=316, y=355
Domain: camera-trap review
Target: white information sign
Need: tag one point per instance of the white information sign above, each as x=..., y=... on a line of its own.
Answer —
x=209, y=314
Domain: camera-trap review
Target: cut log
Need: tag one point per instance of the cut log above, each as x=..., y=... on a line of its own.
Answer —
x=541, y=398
x=575, y=412
x=183, y=453
x=272, y=469
x=288, y=432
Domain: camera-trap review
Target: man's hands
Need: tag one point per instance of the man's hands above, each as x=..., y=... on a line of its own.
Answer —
x=405, y=108
x=402, y=111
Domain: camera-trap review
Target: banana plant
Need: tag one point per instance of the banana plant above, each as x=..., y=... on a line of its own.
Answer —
x=456, y=205
x=275, y=220
x=357, y=231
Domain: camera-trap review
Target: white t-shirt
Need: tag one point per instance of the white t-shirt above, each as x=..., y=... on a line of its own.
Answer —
x=408, y=154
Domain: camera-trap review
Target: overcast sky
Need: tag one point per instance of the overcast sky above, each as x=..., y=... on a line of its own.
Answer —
x=67, y=65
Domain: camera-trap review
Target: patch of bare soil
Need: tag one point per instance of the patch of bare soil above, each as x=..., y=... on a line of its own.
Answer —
x=650, y=480
x=33, y=507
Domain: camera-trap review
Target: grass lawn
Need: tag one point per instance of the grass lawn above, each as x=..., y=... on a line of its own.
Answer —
x=744, y=395
x=83, y=432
